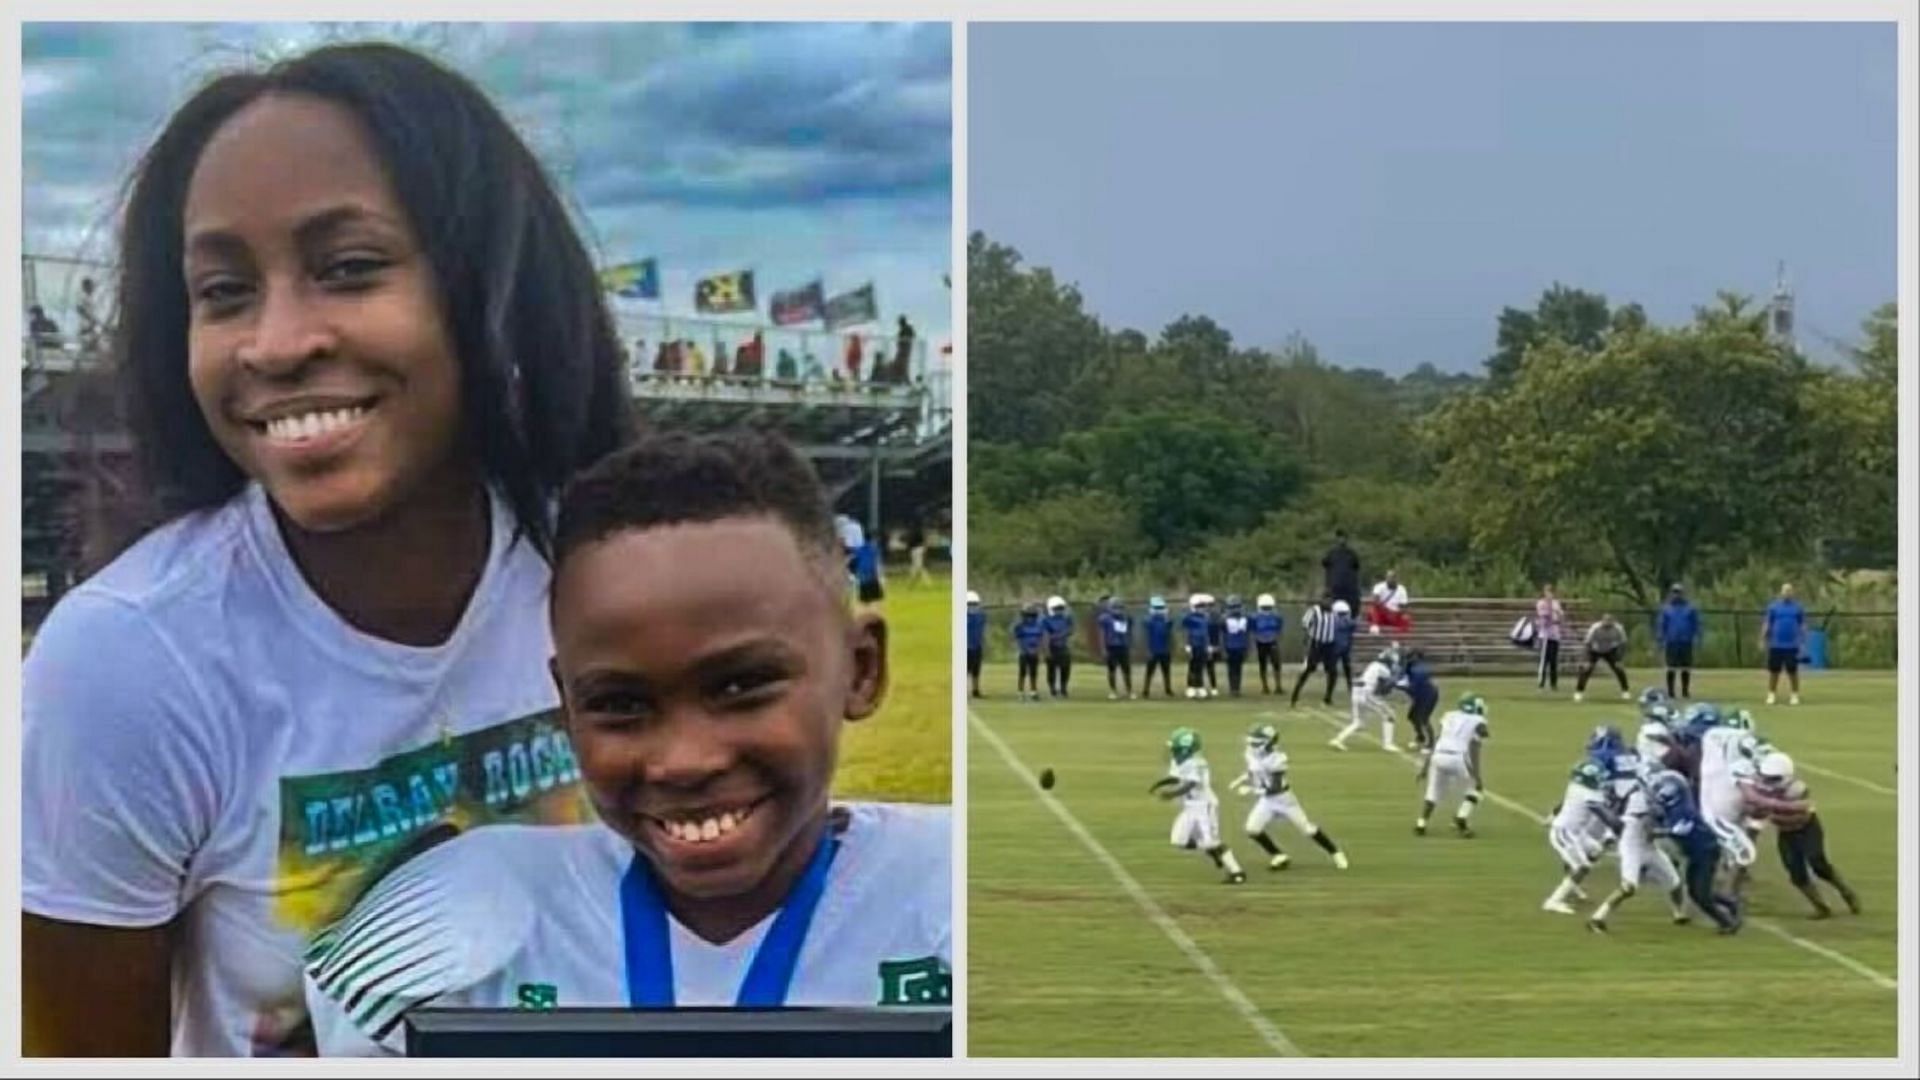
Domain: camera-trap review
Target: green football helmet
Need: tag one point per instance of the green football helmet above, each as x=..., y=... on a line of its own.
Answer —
x=1740, y=720
x=1473, y=703
x=1183, y=744
x=1589, y=774
x=1263, y=736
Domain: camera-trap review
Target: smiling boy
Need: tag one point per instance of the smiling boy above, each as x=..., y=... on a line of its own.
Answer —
x=706, y=659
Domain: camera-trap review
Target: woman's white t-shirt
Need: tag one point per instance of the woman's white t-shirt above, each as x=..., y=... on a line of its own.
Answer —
x=207, y=743
x=513, y=917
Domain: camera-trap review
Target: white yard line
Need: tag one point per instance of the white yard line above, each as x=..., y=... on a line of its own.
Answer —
x=1844, y=778
x=1268, y=1031
x=1848, y=962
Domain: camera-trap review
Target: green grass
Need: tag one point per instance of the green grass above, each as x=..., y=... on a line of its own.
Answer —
x=1426, y=947
x=904, y=752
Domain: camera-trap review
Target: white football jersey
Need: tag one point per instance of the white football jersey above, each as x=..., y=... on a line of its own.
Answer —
x=1652, y=752
x=1377, y=679
x=518, y=917
x=1194, y=771
x=1459, y=731
x=1719, y=747
x=1267, y=771
x=1576, y=808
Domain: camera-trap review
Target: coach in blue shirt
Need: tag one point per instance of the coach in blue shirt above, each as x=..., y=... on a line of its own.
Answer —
x=1785, y=631
x=1678, y=630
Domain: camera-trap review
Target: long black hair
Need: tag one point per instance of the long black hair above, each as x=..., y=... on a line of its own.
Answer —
x=541, y=372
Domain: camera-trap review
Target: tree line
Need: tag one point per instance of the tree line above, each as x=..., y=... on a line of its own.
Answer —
x=1595, y=447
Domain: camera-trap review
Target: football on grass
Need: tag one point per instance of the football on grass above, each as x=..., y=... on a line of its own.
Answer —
x=1046, y=779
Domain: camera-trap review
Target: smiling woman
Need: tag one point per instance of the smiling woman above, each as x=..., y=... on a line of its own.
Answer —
x=363, y=348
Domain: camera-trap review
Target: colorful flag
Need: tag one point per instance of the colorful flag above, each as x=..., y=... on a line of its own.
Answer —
x=804, y=304
x=722, y=293
x=634, y=280
x=852, y=308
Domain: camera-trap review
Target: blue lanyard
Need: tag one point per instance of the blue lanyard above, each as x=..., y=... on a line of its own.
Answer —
x=643, y=918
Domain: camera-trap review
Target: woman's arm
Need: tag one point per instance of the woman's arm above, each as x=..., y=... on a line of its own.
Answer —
x=95, y=991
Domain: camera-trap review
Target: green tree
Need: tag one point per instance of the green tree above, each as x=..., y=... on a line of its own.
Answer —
x=1856, y=421
x=1187, y=476
x=1030, y=349
x=1655, y=454
x=1568, y=315
x=1082, y=532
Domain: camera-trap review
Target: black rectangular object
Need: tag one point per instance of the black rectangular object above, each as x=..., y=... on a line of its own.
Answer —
x=906, y=1032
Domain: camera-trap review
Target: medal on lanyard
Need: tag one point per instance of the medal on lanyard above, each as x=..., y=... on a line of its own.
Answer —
x=649, y=945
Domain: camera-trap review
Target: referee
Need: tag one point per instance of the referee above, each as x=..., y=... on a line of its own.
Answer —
x=1320, y=628
x=1606, y=641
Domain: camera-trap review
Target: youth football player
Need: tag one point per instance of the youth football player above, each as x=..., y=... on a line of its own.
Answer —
x=1029, y=637
x=1159, y=646
x=1267, y=624
x=1775, y=794
x=1116, y=636
x=1454, y=765
x=976, y=640
x=1369, y=697
x=1197, y=828
x=1266, y=778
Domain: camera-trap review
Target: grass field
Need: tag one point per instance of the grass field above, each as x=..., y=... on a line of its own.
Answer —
x=1090, y=935
x=905, y=751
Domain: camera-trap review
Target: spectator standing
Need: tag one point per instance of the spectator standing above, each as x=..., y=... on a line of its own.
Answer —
x=852, y=358
x=1606, y=641
x=89, y=316
x=1342, y=569
x=785, y=367
x=1785, y=631
x=903, y=351
x=917, y=553
x=1678, y=628
x=1549, y=621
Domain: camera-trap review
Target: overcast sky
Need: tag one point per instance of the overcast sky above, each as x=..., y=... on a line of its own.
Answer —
x=1386, y=189
x=798, y=150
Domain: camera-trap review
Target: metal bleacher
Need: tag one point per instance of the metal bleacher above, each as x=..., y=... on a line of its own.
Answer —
x=862, y=436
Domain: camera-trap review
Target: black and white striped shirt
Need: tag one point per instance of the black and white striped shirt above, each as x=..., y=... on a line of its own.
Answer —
x=1319, y=625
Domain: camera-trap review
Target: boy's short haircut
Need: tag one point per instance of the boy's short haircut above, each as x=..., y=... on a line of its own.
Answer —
x=674, y=478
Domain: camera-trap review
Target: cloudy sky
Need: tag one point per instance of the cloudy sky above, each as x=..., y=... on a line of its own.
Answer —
x=798, y=150
x=1385, y=189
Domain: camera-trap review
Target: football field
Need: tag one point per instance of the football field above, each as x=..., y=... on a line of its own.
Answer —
x=1089, y=935
x=904, y=752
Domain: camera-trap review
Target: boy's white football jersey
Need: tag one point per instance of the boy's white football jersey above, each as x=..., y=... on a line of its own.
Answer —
x=1718, y=749
x=1576, y=808
x=516, y=917
x=1377, y=679
x=1194, y=771
x=1267, y=771
x=1458, y=732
